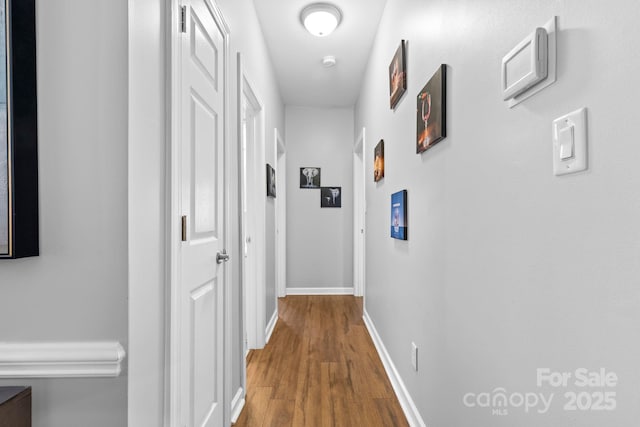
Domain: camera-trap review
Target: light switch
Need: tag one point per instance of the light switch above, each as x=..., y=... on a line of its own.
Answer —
x=566, y=143
x=570, y=143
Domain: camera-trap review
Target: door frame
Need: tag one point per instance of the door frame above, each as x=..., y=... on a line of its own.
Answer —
x=281, y=216
x=359, y=213
x=174, y=229
x=254, y=294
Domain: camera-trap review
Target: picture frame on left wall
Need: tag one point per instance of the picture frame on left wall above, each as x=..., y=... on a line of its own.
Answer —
x=271, y=181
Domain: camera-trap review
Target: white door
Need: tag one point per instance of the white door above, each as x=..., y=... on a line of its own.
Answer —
x=201, y=266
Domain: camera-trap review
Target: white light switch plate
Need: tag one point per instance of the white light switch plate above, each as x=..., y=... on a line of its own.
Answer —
x=570, y=143
x=414, y=356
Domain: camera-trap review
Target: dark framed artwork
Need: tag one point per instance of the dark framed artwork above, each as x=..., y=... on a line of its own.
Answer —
x=19, y=235
x=378, y=161
x=271, y=181
x=397, y=76
x=399, y=215
x=331, y=197
x=431, y=111
x=310, y=177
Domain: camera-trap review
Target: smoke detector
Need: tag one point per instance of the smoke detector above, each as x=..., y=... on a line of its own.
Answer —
x=329, y=61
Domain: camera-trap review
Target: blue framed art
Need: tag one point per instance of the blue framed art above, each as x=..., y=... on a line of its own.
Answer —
x=399, y=215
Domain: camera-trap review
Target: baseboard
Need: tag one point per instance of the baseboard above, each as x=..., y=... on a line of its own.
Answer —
x=320, y=291
x=406, y=402
x=60, y=359
x=271, y=326
x=236, y=405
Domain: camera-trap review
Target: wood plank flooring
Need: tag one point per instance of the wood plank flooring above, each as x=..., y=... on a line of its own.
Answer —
x=320, y=368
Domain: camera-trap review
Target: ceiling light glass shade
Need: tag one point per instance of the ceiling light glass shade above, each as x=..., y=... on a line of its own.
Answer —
x=320, y=19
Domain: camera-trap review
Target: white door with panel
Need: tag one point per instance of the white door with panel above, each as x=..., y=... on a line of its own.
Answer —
x=201, y=254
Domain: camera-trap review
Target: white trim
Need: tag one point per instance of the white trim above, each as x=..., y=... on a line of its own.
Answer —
x=237, y=404
x=149, y=128
x=60, y=359
x=406, y=402
x=254, y=299
x=281, y=215
x=359, y=213
x=271, y=326
x=320, y=291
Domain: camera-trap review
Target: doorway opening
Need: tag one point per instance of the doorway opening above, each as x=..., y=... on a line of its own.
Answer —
x=281, y=217
x=253, y=208
x=359, y=215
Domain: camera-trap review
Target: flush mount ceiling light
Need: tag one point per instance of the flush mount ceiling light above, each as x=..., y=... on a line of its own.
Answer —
x=320, y=19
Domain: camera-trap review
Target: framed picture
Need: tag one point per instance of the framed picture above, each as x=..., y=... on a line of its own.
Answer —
x=19, y=219
x=431, y=111
x=331, y=197
x=397, y=76
x=378, y=161
x=399, y=215
x=309, y=177
x=271, y=181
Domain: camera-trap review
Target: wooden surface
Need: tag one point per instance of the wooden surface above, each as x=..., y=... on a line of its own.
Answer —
x=320, y=368
x=15, y=406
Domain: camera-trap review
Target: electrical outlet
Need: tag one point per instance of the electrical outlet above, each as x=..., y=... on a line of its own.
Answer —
x=414, y=356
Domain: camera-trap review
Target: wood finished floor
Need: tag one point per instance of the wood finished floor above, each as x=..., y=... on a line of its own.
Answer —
x=320, y=368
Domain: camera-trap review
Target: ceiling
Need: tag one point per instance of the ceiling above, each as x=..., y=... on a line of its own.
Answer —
x=297, y=55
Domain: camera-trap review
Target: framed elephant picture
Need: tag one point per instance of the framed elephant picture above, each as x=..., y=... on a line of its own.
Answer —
x=331, y=197
x=310, y=177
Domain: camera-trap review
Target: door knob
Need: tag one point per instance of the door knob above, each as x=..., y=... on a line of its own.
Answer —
x=222, y=257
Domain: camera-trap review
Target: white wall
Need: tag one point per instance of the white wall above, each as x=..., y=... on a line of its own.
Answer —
x=319, y=240
x=76, y=289
x=507, y=268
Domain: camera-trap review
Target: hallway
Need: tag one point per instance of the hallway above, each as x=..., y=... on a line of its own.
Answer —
x=320, y=368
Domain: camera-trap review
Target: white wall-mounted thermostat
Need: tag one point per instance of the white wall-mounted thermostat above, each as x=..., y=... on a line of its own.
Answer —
x=530, y=67
x=526, y=64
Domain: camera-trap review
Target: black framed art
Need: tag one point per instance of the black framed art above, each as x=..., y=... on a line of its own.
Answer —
x=378, y=161
x=397, y=76
x=19, y=236
x=310, y=177
x=399, y=226
x=271, y=181
x=431, y=111
x=331, y=197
